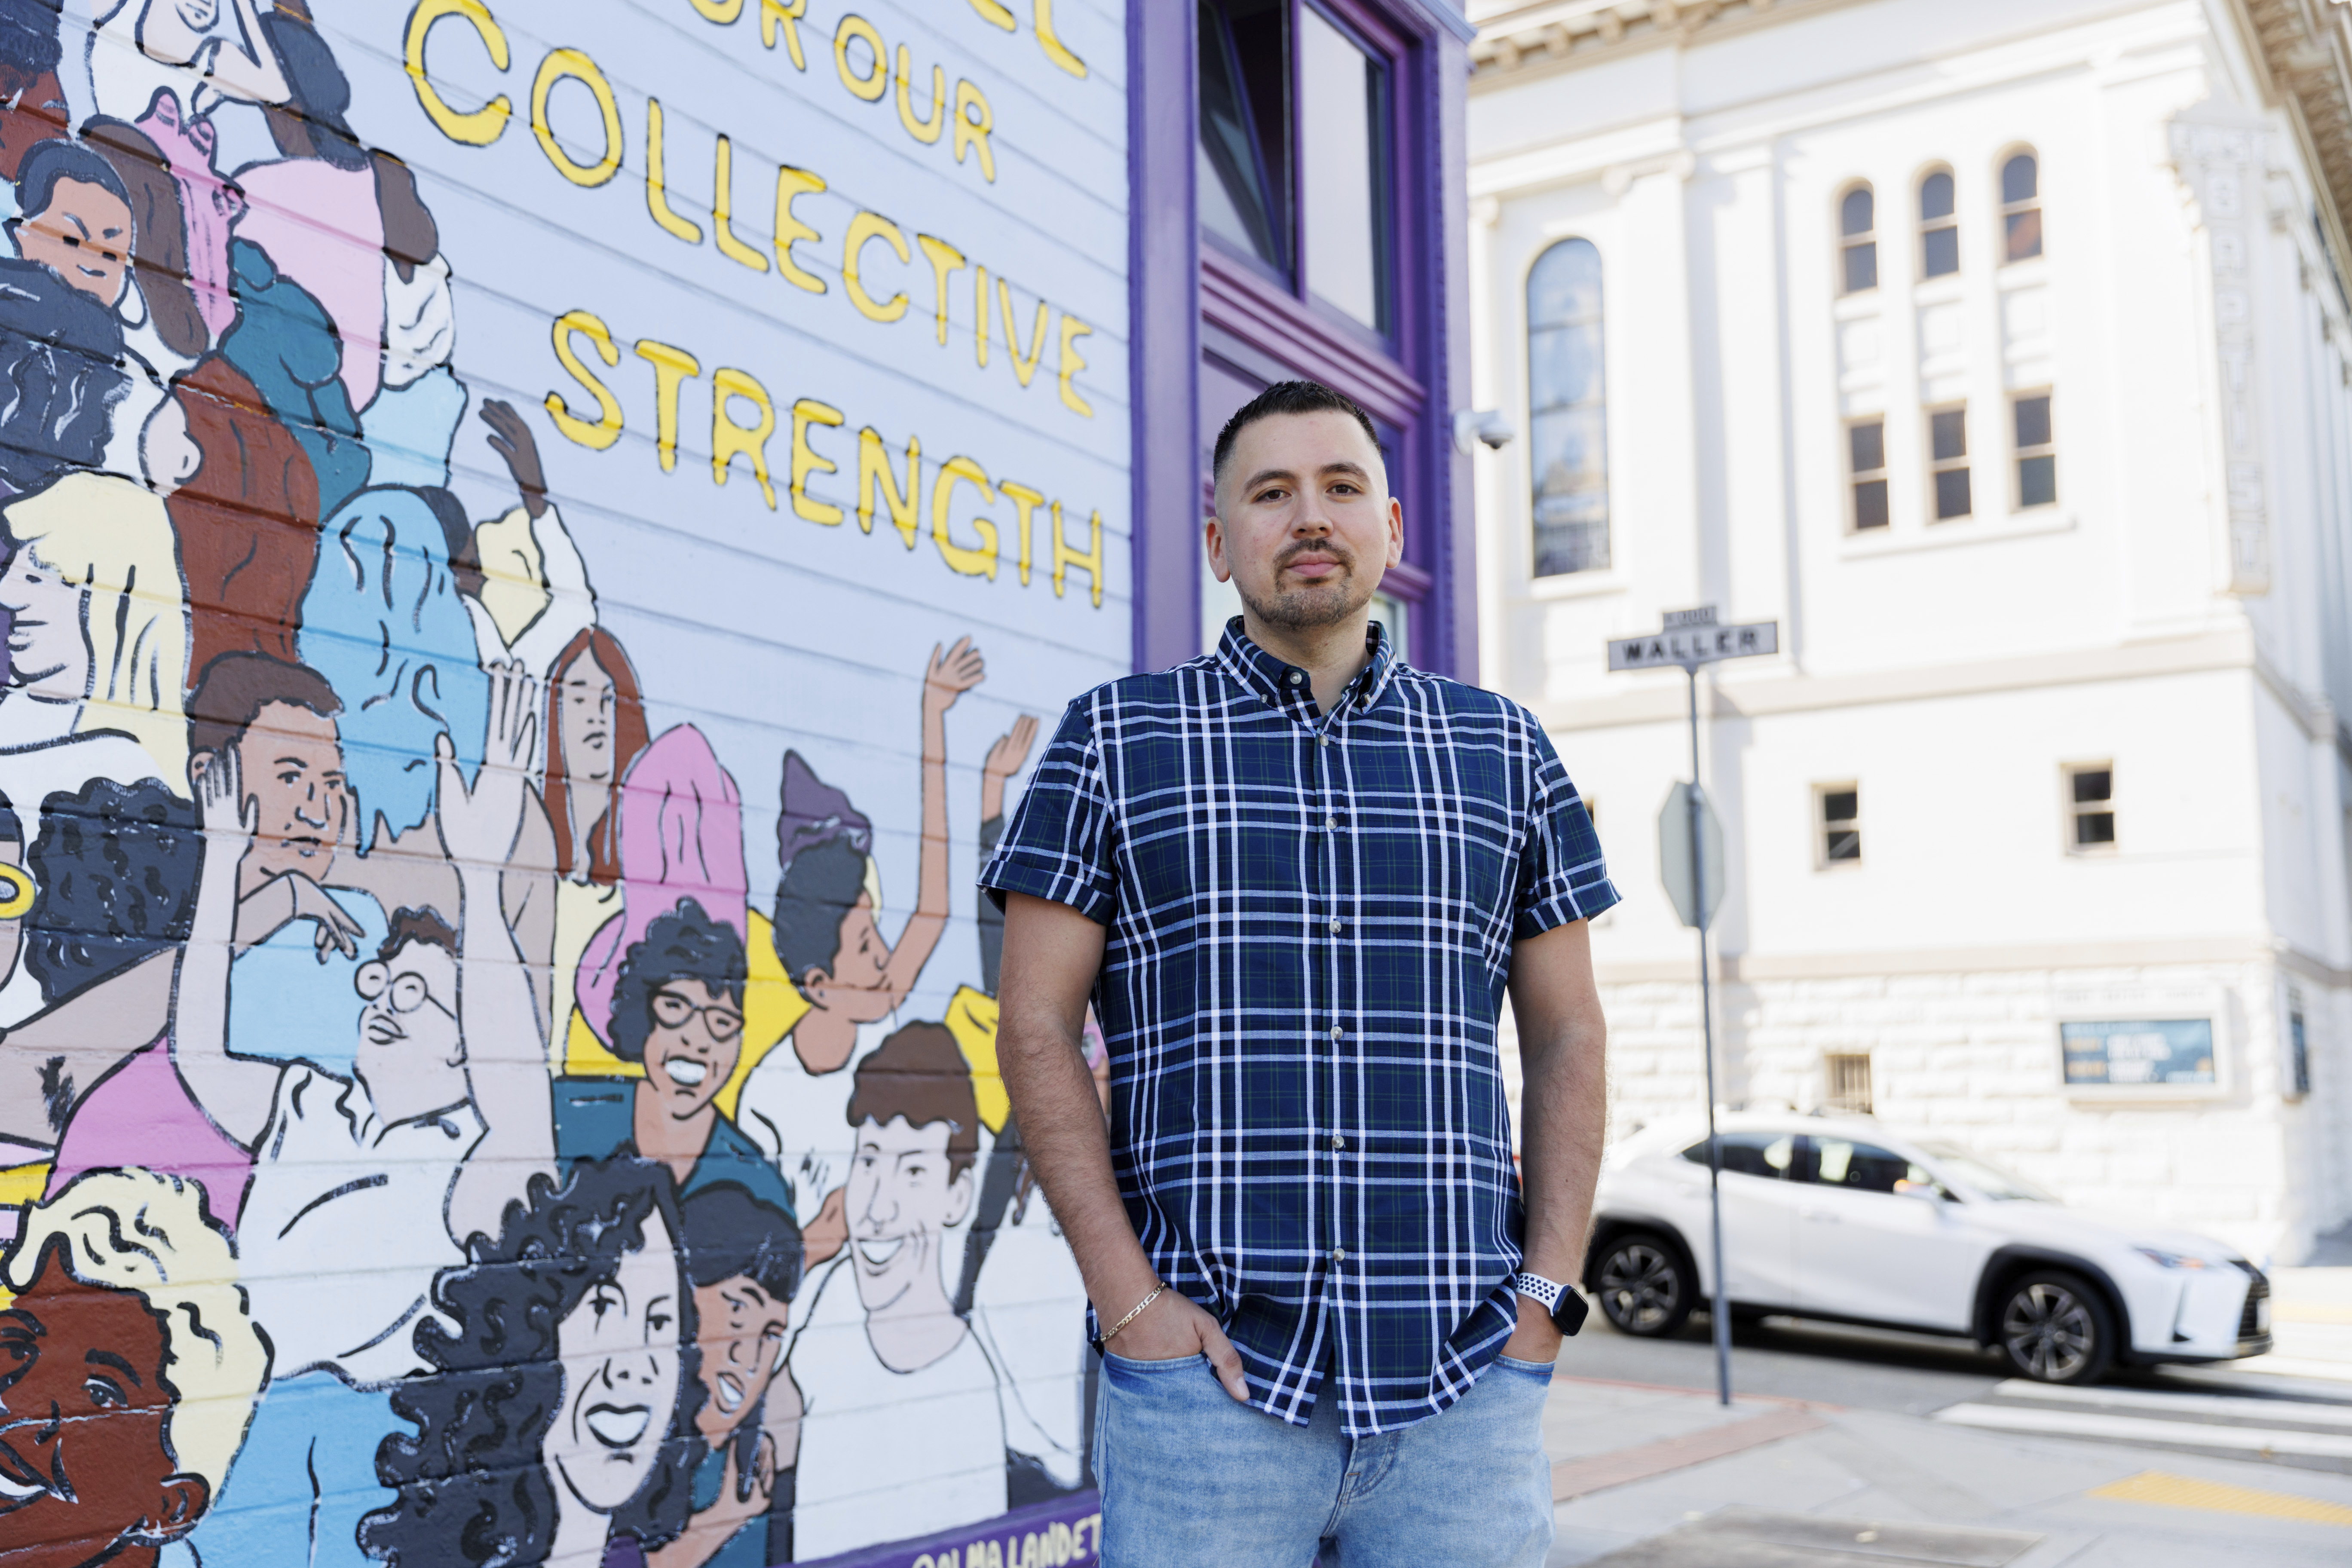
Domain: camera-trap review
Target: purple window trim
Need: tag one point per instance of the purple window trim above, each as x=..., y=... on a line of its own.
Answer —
x=1163, y=284
x=1175, y=279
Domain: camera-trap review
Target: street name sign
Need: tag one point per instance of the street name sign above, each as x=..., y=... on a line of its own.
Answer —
x=1688, y=646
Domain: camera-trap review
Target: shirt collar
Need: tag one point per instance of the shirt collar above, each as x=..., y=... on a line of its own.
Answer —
x=1290, y=689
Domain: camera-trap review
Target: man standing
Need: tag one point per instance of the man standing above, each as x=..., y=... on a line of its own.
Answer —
x=1297, y=876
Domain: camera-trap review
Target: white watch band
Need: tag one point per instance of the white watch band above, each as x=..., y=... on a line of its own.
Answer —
x=1546, y=1292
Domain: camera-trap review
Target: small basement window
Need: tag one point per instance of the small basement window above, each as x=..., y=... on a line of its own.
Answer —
x=1840, y=824
x=2091, y=807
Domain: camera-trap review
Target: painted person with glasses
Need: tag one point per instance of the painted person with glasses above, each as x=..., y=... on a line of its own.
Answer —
x=677, y=1016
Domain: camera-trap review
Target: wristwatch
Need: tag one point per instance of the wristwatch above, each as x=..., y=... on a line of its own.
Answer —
x=1567, y=1309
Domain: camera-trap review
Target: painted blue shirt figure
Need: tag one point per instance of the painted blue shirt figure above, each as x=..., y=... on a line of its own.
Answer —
x=1295, y=887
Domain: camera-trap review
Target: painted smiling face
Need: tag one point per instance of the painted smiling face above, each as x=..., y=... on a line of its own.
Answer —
x=902, y=1201
x=742, y=1336
x=620, y=1353
x=84, y=236
x=696, y=1037
x=49, y=656
x=85, y=1467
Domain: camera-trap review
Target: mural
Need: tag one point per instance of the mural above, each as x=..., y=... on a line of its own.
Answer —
x=497, y=1033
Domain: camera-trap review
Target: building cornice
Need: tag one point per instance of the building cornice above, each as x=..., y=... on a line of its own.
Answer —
x=2303, y=50
x=1525, y=42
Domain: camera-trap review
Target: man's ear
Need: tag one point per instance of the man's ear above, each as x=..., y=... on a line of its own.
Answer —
x=180, y=1502
x=1212, y=535
x=960, y=1192
x=811, y=977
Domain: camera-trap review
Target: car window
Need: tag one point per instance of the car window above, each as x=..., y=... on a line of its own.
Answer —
x=1750, y=1153
x=1842, y=1162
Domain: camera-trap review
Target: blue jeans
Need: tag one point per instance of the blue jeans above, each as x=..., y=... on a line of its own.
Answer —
x=1189, y=1475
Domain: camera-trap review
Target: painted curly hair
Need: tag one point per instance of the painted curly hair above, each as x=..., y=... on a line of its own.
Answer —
x=473, y=1487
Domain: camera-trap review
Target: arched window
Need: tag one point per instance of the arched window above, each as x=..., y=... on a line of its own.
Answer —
x=1568, y=410
x=2020, y=208
x=1858, y=239
x=1940, y=227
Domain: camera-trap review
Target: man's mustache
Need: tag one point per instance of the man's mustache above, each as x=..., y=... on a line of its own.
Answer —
x=1332, y=547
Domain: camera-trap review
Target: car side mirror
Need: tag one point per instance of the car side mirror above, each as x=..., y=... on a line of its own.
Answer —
x=1930, y=1192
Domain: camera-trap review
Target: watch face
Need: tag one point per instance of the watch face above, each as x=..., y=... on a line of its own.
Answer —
x=1570, y=1314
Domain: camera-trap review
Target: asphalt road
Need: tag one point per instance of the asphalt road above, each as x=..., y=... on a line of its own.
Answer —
x=1860, y=1369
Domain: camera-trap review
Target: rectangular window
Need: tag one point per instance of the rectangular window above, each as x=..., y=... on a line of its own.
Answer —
x=2091, y=807
x=1947, y=451
x=1848, y=1084
x=1343, y=96
x=1245, y=111
x=2037, y=459
x=1866, y=452
x=2298, y=1044
x=1840, y=824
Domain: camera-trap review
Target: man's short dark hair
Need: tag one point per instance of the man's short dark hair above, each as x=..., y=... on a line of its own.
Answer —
x=731, y=1234
x=58, y=158
x=235, y=689
x=684, y=945
x=919, y=1073
x=425, y=925
x=1287, y=397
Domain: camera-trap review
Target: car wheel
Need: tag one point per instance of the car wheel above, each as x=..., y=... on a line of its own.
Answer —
x=2053, y=1328
x=1644, y=1287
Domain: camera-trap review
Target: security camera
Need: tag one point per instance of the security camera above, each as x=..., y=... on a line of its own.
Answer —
x=1491, y=426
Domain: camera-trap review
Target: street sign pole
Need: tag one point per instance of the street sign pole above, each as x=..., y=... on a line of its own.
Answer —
x=1719, y=1310
x=1691, y=638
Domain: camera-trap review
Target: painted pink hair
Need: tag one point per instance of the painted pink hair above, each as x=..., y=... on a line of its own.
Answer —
x=209, y=205
x=681, y=837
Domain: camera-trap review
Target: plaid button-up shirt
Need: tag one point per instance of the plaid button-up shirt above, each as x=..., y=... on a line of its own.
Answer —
x=1311, y=919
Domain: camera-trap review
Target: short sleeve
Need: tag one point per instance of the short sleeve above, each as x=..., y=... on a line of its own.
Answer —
x=1562, y=877
x=1058, y=843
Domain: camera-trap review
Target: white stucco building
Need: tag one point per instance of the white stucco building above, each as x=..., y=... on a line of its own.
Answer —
x=1999, y=352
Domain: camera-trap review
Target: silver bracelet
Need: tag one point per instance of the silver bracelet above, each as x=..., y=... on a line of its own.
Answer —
x=1135, y=1314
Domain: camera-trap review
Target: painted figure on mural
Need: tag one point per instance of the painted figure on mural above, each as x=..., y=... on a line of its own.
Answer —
x=830, y=943
x=532, y=601
x=882, y=1337
x=59, y=377
x=364, y=1187
x=557, y=1421
x=594, y=733
x=32, y=100
x=128, y=1370
x=744, y=1259
x=678, y=1013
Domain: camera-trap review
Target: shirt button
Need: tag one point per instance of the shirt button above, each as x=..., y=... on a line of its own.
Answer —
x=1335, y=928
x=1336, y=1031
x=1339, y=1140
x=1327, y=740
x=1339, y=1255
x=1296, y=677
x=1332, y=822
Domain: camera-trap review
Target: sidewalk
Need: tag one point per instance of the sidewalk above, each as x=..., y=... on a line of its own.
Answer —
x=1663, y=1478
x=1813, y=1474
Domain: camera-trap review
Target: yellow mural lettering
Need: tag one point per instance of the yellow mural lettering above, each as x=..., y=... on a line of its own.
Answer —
x=606, y=429
x=992, y=11
x=969, y=563
x=719, y=11
x=1069, y=364
x=974, y=122
x=866, y=227
x=808, y=411
x=1025, y=503
x=855, y=27
x=672, y=366
x=572, y=64
x=924, y=131
x=1025, y=360
x=874, y=473
x=792, y=183
x=475, y=128
x=657, y=178
x=1054, y=49
x=785, y=14
x=945, y=258
x=729, y=438
x=1064, y=556
x=723, y=211
x=981, y=312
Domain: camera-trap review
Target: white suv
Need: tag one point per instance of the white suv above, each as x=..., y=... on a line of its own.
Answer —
x=1840, y=1218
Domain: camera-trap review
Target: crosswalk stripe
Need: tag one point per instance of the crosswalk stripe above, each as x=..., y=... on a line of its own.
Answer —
x=2302, y=1413
x=2143, y=1430
x=2219, y=1497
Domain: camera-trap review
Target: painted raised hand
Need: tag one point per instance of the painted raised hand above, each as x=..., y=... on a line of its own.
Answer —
x=1004, y=760
x=951, y=673
x=478, y=826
